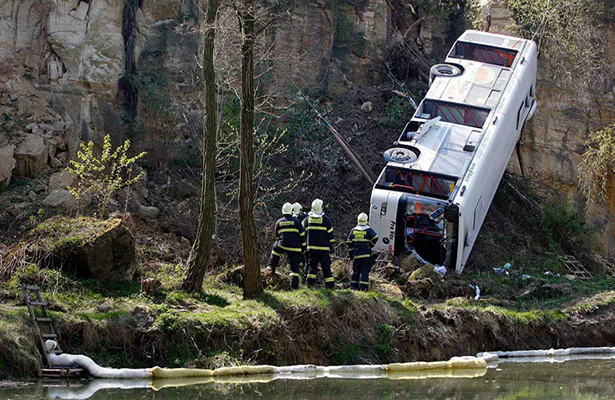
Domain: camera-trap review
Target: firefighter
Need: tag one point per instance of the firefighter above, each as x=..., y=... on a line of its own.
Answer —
x=298, y=212
x=360, y=241
x=290, y=240
x=320, y=242
x=300, y=215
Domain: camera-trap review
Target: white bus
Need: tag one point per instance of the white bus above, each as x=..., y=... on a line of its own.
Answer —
x=438, y=182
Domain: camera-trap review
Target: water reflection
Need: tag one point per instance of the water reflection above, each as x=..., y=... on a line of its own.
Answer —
x=572, y=379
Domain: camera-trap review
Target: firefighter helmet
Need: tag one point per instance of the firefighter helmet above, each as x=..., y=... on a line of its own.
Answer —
x=287, y=208
x=317, y=206
x=362, y=219
x=297, y=208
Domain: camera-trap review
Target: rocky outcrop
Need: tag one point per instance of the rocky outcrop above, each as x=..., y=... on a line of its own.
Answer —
x=7, y=163
x=31, y=157
x=60, y=61
x=337, y=46
x=496, y=16
x=108, y=256
x=104, y=250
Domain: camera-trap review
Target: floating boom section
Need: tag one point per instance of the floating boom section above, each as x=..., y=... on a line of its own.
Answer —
x=438, y=183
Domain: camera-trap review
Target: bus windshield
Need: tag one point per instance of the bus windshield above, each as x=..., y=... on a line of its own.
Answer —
x=483, y=53
x=417, y=182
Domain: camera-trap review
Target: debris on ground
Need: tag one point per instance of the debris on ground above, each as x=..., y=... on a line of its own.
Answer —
x=503, y=269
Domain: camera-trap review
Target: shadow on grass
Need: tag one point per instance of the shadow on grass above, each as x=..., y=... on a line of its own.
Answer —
x=212, y=299
x=306, y=297
x=110, y=289
x=269, y=300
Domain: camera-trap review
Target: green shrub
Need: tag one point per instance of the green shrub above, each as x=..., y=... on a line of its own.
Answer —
x=566, y=229
x=399, y=111
x=570, y=36
x=99, y=177
x=598, y=165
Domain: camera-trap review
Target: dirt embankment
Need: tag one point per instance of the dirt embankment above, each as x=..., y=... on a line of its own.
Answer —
x=339, y=328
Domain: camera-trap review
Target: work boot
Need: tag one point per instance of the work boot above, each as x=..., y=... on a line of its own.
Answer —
x=329, y=283
x=294, y=282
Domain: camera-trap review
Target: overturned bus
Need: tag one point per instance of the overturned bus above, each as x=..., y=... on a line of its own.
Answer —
x=438, y=182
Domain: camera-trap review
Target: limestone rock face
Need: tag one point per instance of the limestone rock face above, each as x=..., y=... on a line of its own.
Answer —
x=7, y=163
x=87, y=41
x=31, y=157
x=338, y=44
x=496, y=16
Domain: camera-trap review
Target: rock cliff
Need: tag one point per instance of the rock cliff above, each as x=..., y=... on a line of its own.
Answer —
x=71, y=68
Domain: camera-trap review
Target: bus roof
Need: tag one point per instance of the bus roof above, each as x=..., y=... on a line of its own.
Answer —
x=463, y=103
x=480, y=85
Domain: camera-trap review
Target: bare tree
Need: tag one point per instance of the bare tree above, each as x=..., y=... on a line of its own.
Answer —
x=201, y=251
x=251, y=271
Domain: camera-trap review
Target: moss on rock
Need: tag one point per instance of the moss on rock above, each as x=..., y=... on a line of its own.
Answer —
x=90, y=248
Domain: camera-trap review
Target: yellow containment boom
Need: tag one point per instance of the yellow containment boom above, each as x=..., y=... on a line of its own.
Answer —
x=455, y=363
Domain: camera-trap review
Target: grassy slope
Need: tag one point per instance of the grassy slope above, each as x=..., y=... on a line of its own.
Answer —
x=119, y=326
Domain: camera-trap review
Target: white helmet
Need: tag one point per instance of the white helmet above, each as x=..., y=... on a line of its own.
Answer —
x=297, y=208
x=317, y=206
x=287, y=208
x=362, y=219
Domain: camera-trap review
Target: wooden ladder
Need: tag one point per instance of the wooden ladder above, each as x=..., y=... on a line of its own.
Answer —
x=42, y=320
x=575, y=267
x=46, y=331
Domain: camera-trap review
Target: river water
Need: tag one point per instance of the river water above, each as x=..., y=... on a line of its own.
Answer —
x=575, y=379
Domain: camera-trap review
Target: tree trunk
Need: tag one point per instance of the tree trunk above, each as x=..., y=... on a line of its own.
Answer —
x=201, y=251
x=251, y=270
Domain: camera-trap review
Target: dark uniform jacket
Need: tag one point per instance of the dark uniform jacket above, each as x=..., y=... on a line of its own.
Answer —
x=290, y=234
x=361, y=240
x=319, y=230
x=301, y=216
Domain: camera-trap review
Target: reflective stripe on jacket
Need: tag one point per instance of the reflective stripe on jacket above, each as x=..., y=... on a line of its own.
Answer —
x=319, y=231
x=361, y=240
x=290, y=234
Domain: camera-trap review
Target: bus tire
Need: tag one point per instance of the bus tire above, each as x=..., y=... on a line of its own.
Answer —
x=444, y=70
x=399, y=155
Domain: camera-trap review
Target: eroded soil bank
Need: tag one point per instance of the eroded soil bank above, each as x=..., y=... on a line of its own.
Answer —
x=282, y=328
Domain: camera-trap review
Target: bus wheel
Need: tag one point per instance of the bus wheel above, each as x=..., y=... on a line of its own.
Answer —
x=443, y=70
x=399, y=155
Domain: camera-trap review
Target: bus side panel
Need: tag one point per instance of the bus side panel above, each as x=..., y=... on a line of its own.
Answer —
x=487, y=172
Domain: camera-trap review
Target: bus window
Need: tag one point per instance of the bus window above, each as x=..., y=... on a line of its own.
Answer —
x=484, y=54
x=457, y=113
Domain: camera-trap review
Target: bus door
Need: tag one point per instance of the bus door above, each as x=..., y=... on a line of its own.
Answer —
x=422, y=228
